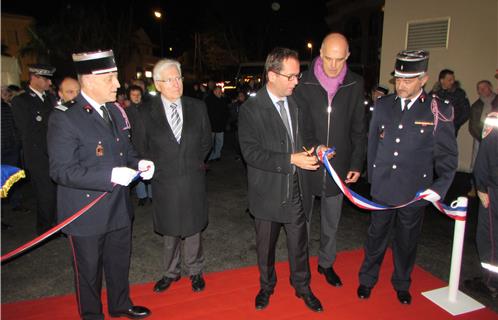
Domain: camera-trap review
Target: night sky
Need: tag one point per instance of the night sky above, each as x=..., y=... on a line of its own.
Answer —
x=292, y=25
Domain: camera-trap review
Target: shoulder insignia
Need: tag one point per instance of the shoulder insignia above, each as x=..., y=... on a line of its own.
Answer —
x=61, y=107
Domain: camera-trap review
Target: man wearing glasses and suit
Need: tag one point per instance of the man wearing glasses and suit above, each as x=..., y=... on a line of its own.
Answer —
x=270, y=140
x=176, y=135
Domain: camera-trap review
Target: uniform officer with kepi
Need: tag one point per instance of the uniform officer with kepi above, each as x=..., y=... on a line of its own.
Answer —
x=411, y=148
x=31, y=111
x=90, y=154
x=486, y=176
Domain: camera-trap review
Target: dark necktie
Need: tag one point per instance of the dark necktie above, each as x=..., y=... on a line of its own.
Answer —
x=405, y=106
x=285, y=119
x=106, y=115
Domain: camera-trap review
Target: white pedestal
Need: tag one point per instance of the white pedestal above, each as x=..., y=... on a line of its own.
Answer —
x=462, y=304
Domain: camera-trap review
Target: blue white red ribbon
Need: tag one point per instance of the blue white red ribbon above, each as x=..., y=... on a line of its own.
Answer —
x=61, y=225
x=454, y=211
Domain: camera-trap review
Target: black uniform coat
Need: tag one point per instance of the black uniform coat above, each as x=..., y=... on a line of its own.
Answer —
x=31, y=118
x=347, y=126
x=267, y=149
x=83, y=150
x=404, y=150
x=179, y=183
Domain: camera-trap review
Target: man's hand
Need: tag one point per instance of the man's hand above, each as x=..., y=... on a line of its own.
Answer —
x=352, y=177
x=146, y=168
x=305, y=160
x=321, y=149
x=484, y=197
x=123, y=175
x=430, y=195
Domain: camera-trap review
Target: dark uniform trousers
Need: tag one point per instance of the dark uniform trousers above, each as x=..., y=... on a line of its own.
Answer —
x=487, y=236
x=407, y=223
x=267, y=233
x=46, y=195
x=111, y=250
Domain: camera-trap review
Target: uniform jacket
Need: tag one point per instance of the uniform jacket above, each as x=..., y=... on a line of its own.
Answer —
x=457, y=97
x=31, y=116
x=179, y=183
x=83, y=150
x=404, y=151
x=475, y=123
x=347, y=126
x=267, y=149
x=486, y=166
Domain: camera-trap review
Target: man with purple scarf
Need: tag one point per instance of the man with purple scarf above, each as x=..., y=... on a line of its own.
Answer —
x=331, y=98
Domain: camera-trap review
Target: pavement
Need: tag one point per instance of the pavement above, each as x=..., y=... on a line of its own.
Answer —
x=229, y=239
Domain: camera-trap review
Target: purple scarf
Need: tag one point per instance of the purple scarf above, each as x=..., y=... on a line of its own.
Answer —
x=331, y=85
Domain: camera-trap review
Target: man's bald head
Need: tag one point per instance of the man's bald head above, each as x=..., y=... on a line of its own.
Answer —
x=69, y=89
x=334, y=53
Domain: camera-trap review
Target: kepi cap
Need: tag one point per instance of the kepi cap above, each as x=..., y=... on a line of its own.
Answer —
x=411, y=63
x=96, y=62
x=43, y=70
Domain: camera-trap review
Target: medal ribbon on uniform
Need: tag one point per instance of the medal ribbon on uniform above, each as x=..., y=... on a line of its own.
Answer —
x=453, y=211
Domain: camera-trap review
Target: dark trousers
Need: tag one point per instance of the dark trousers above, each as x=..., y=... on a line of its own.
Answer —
x=92, y=255
x=297, y=245
x=407, y=223
x=45, y=193
x=487, y=236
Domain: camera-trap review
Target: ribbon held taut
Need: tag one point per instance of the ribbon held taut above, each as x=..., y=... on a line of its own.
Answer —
x=455, y=211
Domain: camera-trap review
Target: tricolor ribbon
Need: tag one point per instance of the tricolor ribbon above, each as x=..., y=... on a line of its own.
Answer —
x=454, y=211
x=61, y=225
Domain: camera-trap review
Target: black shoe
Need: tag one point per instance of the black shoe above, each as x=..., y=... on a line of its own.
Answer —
x=311, y=301
x=262, y=299
x=363, y=292
x=404, y=296
x=330, y=275
x=198, y=283
x=164, y=283
x=135, y=312
x=142, y=201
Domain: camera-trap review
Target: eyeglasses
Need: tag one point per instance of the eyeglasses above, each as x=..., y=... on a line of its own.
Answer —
x=171, y=80
x=291, y=77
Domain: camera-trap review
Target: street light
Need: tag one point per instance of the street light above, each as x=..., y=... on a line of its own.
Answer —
x=159, y=16
x=310, y=46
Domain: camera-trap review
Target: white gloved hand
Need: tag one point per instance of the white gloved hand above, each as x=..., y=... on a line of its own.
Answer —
x=123, y=175
x=431, y=195
x=147, y=169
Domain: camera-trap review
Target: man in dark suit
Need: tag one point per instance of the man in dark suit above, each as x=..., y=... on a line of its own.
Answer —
x=269, y=132
x=176, y=135
x=411, y=137
x=31, y=111
x=90, y=154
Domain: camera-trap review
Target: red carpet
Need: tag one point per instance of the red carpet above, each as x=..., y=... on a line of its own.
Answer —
x=230, y=295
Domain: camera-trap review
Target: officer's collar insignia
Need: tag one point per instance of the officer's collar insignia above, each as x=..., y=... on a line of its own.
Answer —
x=88, y=108
x=422, y=97
x=32, y=94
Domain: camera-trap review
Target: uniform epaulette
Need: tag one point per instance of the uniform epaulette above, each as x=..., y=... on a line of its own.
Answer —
x=61, y=107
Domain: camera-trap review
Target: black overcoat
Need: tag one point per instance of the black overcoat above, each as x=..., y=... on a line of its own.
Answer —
x=267, y=149
x=347, y=127
x=179, y=183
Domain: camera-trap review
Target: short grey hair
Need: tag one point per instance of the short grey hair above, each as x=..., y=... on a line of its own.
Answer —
x=164, y=64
